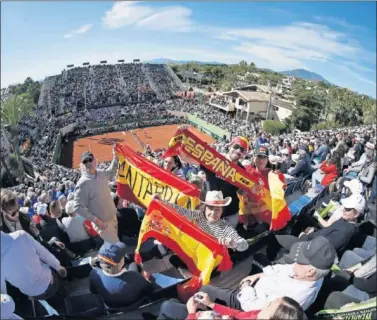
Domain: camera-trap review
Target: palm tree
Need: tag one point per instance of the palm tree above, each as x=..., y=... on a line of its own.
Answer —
x=13, y=110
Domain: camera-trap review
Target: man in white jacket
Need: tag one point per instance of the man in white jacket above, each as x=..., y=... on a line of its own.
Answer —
x=28, y=266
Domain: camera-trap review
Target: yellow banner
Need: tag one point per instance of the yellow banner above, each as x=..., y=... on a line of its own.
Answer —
x=138, y=186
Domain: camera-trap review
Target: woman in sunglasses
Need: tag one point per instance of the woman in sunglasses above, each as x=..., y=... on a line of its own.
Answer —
x=10, y=221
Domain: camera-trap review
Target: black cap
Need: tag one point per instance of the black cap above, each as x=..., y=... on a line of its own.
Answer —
x=263, y=151
x=319, y=253
x=87, y=155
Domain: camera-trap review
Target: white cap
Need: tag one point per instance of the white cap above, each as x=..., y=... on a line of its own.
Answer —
x=355, y=186
x=295, y=157
x=275, y=159
x=356, y=201
x=42, y=209
x=370, y=145
x=70, y=207
x=246, y=162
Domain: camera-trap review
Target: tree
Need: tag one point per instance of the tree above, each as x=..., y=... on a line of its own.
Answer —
x=274, y=127
x=13, y=110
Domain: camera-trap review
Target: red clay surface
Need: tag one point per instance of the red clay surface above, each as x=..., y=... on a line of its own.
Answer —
x=156, y=137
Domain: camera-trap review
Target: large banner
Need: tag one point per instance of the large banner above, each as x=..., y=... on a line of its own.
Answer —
x=198, y=250
x=255, y=186
x=138, y=179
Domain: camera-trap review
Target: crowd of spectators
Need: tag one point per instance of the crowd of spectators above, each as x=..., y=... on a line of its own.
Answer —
x=220, y=100
x=40, y=219
x=218, y=118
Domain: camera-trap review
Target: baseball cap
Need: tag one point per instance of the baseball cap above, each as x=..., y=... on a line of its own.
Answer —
x=318, y=253
x=112, y=253
x=241, y=141
x=70, y=207
x=355, y=186
x=87, y=155
x=355, y=201
x=263, y=151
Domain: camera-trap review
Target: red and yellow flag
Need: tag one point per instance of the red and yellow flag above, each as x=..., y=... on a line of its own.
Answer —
x=200, y=251
x=138, y=179
x=280, y=211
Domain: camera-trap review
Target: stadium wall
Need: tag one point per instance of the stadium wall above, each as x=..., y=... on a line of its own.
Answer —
x=208, y=128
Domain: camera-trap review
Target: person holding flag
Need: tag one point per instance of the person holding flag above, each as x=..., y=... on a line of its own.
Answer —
x=209, y=220
x=93, y=200
x=237, y=150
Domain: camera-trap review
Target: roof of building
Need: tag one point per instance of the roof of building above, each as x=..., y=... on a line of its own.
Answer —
x=250, y=95
x=283, y=104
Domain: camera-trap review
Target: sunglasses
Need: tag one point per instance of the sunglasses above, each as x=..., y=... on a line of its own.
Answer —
x=89, y=160
x=237, y=146
x=13, y=213
x=348, y=209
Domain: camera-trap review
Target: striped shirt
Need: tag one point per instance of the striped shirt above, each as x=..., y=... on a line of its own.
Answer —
x=219, y=229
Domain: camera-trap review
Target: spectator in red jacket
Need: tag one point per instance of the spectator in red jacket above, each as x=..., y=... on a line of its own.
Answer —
x=328, y=171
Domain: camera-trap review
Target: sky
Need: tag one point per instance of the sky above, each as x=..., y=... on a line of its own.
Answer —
x=334, y=39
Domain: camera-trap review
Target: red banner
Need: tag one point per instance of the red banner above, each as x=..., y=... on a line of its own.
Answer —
x=138, y=179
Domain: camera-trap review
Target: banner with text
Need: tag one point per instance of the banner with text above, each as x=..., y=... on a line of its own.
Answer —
x=138, y=179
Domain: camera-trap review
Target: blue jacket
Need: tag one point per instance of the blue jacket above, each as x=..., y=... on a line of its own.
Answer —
x=321, y=152
x=119, y=290
x=302, y=168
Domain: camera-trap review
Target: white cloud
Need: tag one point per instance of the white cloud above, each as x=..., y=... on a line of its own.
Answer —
x=340, y=22
x=83, y=29
x=131, y=13
x=302, y=40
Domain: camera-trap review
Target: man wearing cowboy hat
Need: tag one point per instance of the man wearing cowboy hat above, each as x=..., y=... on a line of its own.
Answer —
x=208, y=218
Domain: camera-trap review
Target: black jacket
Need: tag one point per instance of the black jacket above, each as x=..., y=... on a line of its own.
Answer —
x=228, y=190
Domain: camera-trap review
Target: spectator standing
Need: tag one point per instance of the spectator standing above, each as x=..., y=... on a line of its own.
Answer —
x=93, y=200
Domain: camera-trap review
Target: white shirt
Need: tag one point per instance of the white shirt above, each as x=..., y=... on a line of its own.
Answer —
x=75, y=229
x=276, y=282
x=25, y=263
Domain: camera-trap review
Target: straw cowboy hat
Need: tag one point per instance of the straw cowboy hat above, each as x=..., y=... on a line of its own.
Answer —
x=216, y=199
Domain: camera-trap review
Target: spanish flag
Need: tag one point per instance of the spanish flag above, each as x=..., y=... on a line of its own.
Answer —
x=200, y=251
x=138, y=179
x=280, y=211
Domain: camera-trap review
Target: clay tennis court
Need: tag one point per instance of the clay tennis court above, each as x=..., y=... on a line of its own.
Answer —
x=101, y=145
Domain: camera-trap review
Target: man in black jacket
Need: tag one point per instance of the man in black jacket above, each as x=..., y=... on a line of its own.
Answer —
x=339, y=233
x=237, y=150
